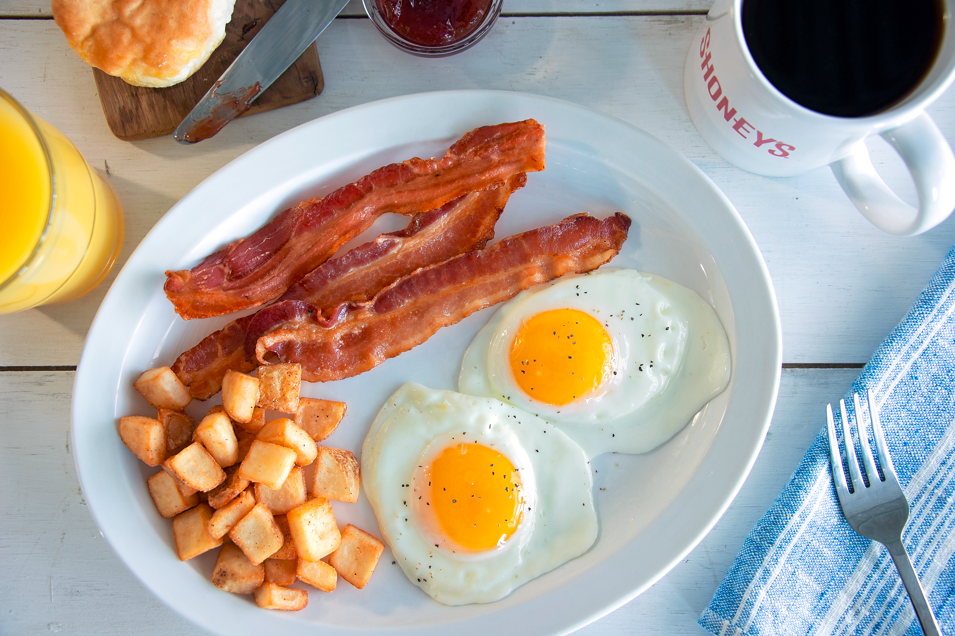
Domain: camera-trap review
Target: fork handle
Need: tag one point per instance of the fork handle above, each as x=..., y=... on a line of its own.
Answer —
x=914, y=587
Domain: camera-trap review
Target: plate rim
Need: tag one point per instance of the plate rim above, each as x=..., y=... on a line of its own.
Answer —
x=557, y=622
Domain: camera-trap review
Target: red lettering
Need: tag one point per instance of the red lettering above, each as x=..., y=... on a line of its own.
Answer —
x=705, y=43
x=760, y=140
x=740, y=125
x=719, y=89
x=781, y=149
x=706, y=66
x=728, y=112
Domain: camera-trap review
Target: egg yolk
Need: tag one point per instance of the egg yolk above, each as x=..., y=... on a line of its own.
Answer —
x=476, y=494
x=559, y=356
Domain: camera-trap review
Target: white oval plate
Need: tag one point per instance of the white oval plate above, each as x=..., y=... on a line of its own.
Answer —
x=653, y=509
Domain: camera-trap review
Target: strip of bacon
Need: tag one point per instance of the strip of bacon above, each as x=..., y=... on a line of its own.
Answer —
x=257, y=269
x=431, y=237
x=359, y=337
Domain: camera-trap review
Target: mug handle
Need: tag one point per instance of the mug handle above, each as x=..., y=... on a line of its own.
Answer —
x=929, y=159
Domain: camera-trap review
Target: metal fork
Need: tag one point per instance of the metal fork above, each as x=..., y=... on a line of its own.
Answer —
x=879, y=511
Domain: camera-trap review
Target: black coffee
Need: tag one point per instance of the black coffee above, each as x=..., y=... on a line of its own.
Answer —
x=848, y=58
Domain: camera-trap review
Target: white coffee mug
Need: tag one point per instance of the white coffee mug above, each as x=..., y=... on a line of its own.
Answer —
x=748, y=121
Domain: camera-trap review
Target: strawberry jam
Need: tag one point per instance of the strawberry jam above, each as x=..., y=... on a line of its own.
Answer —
x=434, y=22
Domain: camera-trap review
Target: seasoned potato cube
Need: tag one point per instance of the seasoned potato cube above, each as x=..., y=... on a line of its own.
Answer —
x=272, y=596
x=225, y=518
x=257, y=534
x=318, y=574
x=245, y=440
x=228, y=490
x=214, y=409
x=287, y=551
x=235, y=573
x=291, y=494
x=144, y=436
x=218, y=437
x=184, y=488
x=313, y=529
x=356, y=557
x=279, y=385
x=163, y=389
x=255, y=424
x=319, y=418
x=268, y=464
x=336, y=475
x=167, y=497
x=284, y=433
x=196, y=468
x=179, y=428
x=190, y=530
x=240, y=392
x=280, y=572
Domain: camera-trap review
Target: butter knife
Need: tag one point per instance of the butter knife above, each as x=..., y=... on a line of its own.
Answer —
x=283, y=38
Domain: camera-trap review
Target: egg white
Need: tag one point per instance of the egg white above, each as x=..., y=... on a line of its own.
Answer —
x=672, y=356
x=558, y=519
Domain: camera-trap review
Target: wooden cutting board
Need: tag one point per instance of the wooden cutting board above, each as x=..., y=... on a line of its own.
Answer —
x=134, y=112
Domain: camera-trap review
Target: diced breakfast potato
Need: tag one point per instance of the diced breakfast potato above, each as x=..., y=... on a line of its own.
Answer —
x=279, y=386
x=163, y=389
x=240, y=392
x=215, y=409
x=166, y=496
x=255, y=424
x=179, y=428
x=145, y=436
x=284, y=433
x=280, y=572
x=257, y=534
x=235, y=573
x=218, y=437
x=287, y=551
x=190, y=530
x=184, y=488
x=196, y=467
x=313, y=529
x=245, y=440
x=228, y=490
x=319, y=418
x=356, y=557
x=336, y=475
x=268, y=464
x=317, y=573
x=291, y=494
x=272, y=596
x=226, y=517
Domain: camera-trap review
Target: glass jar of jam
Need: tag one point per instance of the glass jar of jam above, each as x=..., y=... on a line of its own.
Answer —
x=433, y=28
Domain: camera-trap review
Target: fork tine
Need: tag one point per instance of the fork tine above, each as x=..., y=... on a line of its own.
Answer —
x=835, y=457
x=870, y=470
x=884, y=458
x=857, y=483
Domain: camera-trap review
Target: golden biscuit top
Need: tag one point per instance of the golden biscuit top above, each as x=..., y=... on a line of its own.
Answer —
x=146, y=42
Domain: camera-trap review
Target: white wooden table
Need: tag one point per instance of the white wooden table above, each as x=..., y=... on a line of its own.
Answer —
x=841, y=284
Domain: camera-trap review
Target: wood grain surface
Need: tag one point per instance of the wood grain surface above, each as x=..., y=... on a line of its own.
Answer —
x=135, y=112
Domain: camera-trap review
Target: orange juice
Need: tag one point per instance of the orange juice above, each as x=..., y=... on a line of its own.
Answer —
x=60, y=224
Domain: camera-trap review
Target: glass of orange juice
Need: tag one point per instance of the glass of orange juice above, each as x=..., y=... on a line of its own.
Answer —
x=61, y=227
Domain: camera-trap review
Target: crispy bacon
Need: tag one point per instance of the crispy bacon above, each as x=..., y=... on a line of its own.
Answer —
x=359, y=337
x=431, y=237
x=257, y=269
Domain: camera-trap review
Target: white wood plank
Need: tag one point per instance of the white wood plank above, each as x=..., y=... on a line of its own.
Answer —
x=841, y=284
x=61, y=576
x=41, y=8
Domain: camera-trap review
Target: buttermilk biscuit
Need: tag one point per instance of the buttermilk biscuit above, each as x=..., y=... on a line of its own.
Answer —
x=146, y=42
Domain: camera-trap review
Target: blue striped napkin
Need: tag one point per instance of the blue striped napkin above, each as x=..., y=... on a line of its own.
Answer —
x=803, y=570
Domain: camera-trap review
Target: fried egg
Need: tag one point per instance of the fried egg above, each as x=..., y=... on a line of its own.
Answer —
x=474, y=497
x=619, y=360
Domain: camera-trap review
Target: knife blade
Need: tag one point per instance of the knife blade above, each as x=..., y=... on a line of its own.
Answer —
x=283, y=38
